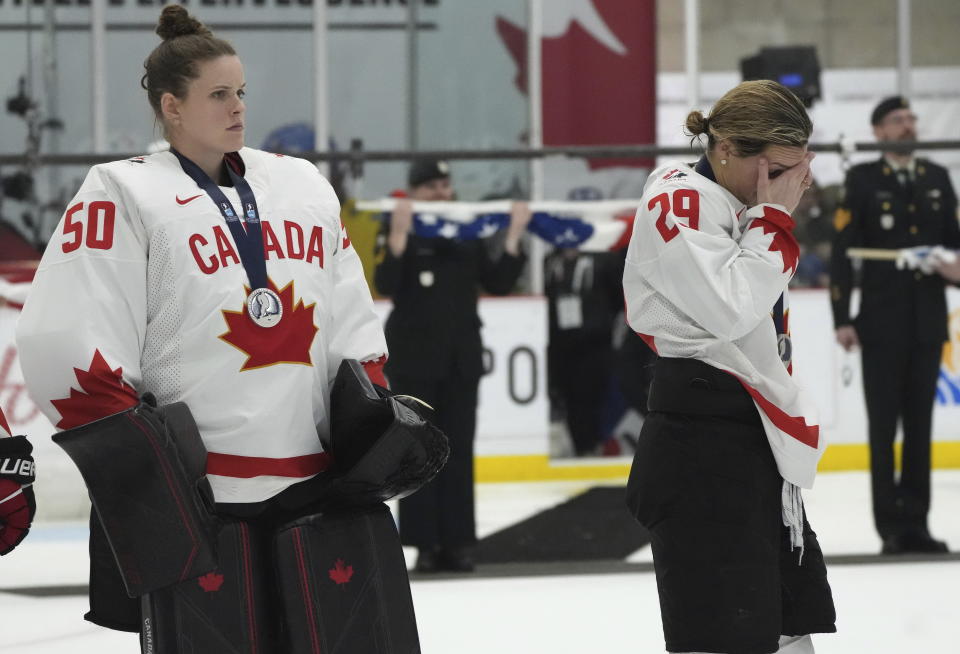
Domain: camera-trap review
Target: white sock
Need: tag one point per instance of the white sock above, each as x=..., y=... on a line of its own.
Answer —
x=788, y=645
x=796, y=644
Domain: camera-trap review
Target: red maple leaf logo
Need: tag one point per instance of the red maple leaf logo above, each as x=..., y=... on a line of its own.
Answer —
x=286, y=342
x=102, y=394
x=210, y=582
x=339, y=573
x=783, y=241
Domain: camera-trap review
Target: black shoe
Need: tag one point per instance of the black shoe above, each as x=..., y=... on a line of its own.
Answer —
x=893, y=545
x=913, y=542
x=428, y=560
x=457, y=559
x=922, y=542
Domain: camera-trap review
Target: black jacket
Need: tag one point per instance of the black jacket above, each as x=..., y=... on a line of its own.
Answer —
x=434, y=330
x=896, y=306
x=595, y=279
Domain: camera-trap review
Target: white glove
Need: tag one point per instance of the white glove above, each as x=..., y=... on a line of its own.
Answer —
x=940, y=255
x=911, y=258
x=925, y=258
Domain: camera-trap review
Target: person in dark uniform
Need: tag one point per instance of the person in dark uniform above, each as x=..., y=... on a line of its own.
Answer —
x=433, y=336
x=898, y=201
x=584, y=294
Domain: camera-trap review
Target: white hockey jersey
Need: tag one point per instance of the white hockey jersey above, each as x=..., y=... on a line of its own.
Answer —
x=141, y=288
x=703, y=273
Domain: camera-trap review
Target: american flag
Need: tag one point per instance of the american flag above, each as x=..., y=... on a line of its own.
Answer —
x=590, y=226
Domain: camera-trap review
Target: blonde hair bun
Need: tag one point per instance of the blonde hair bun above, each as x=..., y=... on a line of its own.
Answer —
x=696, y=123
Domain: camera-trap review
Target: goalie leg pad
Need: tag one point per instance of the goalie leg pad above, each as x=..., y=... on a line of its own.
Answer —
x=225, y=611
x=145, y=471
x=344, y=585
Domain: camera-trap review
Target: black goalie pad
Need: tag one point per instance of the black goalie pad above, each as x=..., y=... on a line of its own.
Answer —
x=344, y=585
x=381, y=444
x=145, y=471
x=226, y=611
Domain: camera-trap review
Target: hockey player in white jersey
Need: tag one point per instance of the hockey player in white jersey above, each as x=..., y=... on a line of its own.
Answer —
x=730, y=438
x=185, y=328
x=17, y=474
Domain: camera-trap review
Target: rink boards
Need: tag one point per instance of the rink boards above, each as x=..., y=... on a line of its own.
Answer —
x=512, y=435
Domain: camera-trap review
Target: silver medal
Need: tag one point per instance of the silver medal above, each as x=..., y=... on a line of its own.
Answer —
x=264, y=307
x=426, y=278
x=785, y=346
x=886, y=221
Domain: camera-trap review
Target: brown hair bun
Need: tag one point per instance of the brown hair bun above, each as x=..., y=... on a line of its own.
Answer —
x=176, y=21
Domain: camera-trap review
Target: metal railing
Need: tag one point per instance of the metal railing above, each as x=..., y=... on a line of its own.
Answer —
x=359, y=156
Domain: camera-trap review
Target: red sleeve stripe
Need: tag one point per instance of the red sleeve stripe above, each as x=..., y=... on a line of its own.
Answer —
x=245, y=467
x=4, y=427
x=794, y=426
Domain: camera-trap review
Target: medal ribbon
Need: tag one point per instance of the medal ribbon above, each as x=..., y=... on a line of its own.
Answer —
x=249, y=241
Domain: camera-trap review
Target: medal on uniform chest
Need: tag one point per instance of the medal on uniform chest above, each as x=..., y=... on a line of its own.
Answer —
x=264, y=307
x=886, y=221
x=785, y=348
x=426, y=278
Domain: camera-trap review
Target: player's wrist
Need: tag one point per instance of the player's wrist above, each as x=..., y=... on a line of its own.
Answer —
x=397, y=244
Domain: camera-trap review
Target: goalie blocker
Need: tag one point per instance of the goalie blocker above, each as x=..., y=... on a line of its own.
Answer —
x=145, y=471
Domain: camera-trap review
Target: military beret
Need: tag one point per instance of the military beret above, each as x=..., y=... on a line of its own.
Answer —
x=886, y=106
x=427, y=170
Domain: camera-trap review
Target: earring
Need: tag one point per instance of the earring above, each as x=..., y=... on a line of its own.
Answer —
x=723, y=162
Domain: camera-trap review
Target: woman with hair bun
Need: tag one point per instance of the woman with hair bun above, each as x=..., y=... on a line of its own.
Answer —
x=218, y=277
x=730, y=438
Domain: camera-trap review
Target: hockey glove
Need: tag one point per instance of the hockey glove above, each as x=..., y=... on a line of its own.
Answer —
x=17, y=503
x=381, y=444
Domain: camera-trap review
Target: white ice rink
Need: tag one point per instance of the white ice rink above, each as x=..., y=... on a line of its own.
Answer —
x=883, y=608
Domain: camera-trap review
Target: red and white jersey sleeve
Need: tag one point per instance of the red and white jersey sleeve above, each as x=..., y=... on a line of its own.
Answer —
x=157, y=303
x=702, y=275
x=356, y=331
x=83, y=326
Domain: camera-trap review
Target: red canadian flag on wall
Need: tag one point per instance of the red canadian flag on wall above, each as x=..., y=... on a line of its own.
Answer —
x=598, y=73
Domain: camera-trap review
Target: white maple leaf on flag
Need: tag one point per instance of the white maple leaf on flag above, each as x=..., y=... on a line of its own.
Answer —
x=559, y=14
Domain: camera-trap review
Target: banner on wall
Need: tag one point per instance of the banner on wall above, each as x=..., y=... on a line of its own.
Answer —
x=223, y=12
x=513, y=416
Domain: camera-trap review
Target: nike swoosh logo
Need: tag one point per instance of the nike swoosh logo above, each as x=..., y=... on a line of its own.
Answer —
x=191, y=199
